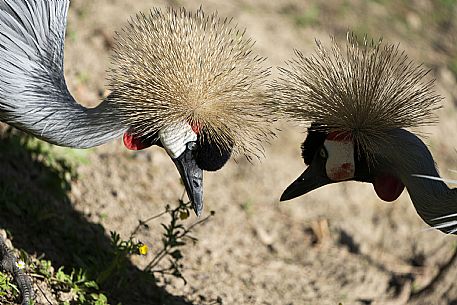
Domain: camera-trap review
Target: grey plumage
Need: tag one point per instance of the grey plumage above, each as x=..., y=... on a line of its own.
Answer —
x=410, y=159
x=33, y=94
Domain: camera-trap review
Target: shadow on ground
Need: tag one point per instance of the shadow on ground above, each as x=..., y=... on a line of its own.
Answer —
x=36, y=211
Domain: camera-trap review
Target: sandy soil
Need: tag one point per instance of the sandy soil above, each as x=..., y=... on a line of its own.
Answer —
x=337, y=244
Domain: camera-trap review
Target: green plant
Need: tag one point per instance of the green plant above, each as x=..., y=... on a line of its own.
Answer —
x=6, y=287
x=80, y=289
x=123, y=250
x=75, y=286
x=175, y=236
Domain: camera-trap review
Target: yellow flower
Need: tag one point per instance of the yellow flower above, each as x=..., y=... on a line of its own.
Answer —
x=184, y=215
x=143, y=249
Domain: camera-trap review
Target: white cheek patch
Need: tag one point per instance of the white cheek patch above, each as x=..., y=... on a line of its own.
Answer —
x=175, y=137
x=340, y=162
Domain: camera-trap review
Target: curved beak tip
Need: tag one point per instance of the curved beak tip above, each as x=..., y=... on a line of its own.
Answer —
x=292, y=191
x=198, y=211
x=284, y=197
x=192, y=177
x=197, y=202
x=308, y=181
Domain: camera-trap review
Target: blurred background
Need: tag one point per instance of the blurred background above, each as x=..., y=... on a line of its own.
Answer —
x=338, y=244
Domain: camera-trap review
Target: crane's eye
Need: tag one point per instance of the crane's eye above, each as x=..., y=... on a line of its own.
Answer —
x=310, y=146
x=323, y=153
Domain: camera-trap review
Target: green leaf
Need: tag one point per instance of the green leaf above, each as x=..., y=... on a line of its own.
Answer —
x=91, y=284
x=176, y=254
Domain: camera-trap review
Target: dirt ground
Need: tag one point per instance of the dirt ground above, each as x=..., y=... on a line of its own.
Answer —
x=338, y=244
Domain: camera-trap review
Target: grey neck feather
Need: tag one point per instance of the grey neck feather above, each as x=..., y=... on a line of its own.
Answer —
x=431, y=198
x=33, y=93
x=69, y=125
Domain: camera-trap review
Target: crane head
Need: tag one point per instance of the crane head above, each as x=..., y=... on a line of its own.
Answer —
x=333, y=157
x=354, y=96
x=191, y=83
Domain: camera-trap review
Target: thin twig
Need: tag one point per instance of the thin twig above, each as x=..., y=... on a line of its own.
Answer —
x=42, y=292
x=143, y=222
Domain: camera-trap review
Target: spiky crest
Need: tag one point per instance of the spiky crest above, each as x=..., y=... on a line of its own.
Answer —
x=175, y=66
x=365, y=89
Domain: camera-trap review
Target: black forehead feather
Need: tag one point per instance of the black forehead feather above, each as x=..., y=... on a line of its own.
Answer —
x=314, y=140
x=209, y=156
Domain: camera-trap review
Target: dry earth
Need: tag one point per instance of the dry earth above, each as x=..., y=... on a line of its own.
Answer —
x=336, y=244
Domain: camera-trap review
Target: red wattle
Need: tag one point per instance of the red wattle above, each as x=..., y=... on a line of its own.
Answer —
x=135, y=143
x=196, y=127
x=388, y=187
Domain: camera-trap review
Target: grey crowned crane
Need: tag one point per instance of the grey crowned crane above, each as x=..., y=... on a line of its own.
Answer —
x=358, y=100
x=185, y=81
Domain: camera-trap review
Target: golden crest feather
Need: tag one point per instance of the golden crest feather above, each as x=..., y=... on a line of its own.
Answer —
x=365, y=89
x=175, y=66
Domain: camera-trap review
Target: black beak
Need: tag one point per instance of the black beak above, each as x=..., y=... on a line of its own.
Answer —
x=312, y=178
x=192, y=177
